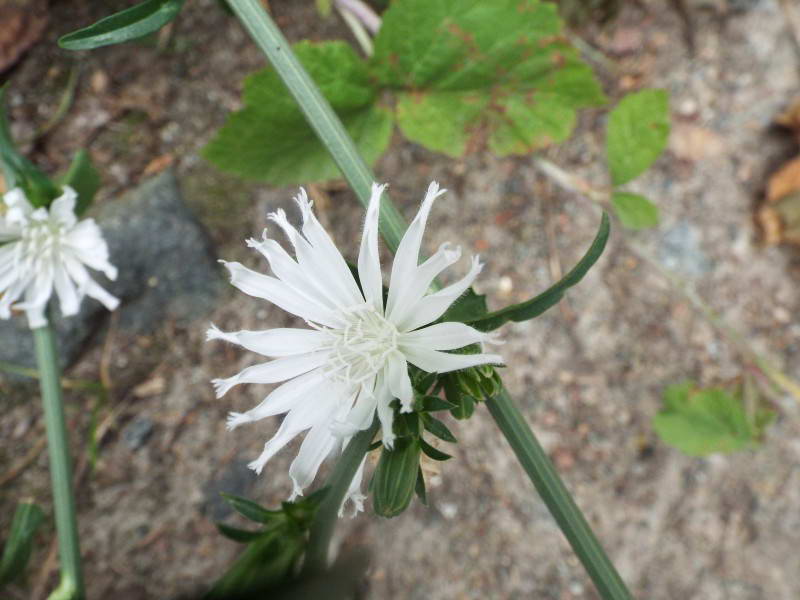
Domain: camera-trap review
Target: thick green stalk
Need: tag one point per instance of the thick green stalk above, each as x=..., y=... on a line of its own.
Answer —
x=318, y=112
x=545, y=478
x=538, y=467
x=328, y=512
x=71, y=586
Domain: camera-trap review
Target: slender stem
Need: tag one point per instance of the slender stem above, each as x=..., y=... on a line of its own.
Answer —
x=318, y=112
x=328, y=512
x=334, y=137
x=543, y=474
x=71, y=586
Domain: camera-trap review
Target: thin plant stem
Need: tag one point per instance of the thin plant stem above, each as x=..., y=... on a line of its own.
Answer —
x=71, y=586
x=338, y=143
x=328, y=512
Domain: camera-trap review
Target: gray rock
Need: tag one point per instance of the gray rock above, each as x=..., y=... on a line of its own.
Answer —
x=680, y=250
x=136, y=433
x=167, y=271
x=236, y=479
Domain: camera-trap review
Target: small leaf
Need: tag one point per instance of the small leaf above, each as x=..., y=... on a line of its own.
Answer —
x=435, y=403
x=437, y=428
x=130, y=24
x=638, y=129
x=240, y=535
x=432, y=452
x=700, y=421
x=635, y=211
x=251, y=510
x=83, y=178
x=536, y=306
x=419, y=488
x=19, y=543
x=395, y=478
x=468, y=307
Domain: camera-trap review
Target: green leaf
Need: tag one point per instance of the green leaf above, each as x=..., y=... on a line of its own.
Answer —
x=270, y=140
x=432, y=452
x=701, y=421
x=638, y=129
x=83, y=178
x=324, y=8
x=536, y=306
x=434, y=404
x=241, y=535
x=133, y=23
x=419, y=487
x=19, y=543
x=635, y=211
x=471, y=73
x=437, y=428
x=395, y=478
x=251, y=510
x=468, y=307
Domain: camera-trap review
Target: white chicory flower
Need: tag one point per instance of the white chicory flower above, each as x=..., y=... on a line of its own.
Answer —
x=42, y=251
x=354, y=360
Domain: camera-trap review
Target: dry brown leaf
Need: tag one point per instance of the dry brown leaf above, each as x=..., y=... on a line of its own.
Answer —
x=784, y=182
x=158, y=164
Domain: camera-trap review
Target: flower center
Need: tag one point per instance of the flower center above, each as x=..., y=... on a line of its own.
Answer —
x=359, y=349
x=40, y=244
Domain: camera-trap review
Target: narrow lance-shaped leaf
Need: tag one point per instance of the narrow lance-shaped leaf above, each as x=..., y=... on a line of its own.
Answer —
x=130, y=24
x=19, y=544
x=536, y=306
x=251, y=510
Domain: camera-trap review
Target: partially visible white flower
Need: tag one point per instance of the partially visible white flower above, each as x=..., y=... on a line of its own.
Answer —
x=42, y=251
x=354, y=360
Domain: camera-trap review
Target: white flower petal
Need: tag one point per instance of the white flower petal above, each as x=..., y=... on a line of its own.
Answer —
x=433, y=306
x=369, y=263
x=399, y=381
x=274, y=371
x=360, y=416
x=275, y=291
x=407, y=256
x=62, y=208
x=283, y=398
x=10, y=295
x=385, y=412
x=434, y=361
x=272, y=342
x=354, y=494
x=316, y=446
x=444, y=336
x=67, y=294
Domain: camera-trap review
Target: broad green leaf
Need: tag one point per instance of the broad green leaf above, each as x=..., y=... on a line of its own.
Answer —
x=251, y=510
x=130, y=24
x=701, y=421
x=437, y=428
x=471, y=73
x=19, y=542
x=638, y=129
x=83, y=178
x=635, y=211
x=269, y=140
x=395, y=478
x=536, y=306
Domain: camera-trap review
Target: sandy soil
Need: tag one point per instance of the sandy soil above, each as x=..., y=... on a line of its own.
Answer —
x=588, y=374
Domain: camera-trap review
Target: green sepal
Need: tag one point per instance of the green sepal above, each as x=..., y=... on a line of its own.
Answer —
x=437, y=428
x=395, y=477
x=251, y=510
x=536, y=306
x=19, y=544
x=432, y=452
x=130, y=24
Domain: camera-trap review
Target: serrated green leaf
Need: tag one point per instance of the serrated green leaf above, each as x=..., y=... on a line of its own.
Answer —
x=243, y=536
x=19, y=543
x=419, y=487
x=534, y=307
x=701, y=421
x=638, y=129
x=251, y=510
x=635, y=211
x=468, y=307
x=471, y=73
x=83, y=178
x=270, y=139
x=395, y=478
x=432, y=452
x=130, y=24
x=437, y=428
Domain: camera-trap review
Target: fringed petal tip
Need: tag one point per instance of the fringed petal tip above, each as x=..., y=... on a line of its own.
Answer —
x=388, y=440
x=297, y=491
x=434, y=191
x=257, y=465
x=406, y=407
x=358, y=505
x=221, y=386
x=304, y=204
x=235, y=419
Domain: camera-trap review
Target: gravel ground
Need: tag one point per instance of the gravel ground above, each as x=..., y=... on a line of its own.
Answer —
x=588, y=374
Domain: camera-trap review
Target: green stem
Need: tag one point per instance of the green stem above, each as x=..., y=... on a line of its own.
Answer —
x=543, y=474
x=328, y=512
x=318, y=113
x=539, y=468
x=71, y=586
